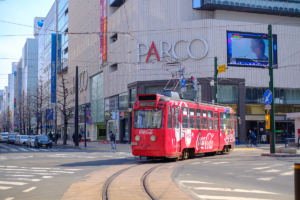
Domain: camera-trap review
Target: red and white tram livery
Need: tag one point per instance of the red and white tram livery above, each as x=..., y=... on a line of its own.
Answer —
x=167, y=126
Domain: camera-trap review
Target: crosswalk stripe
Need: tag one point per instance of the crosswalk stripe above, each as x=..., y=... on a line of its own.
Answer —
x=10, y=198
x=12, y=183
x=23, y=149
x=3, y=150
x=13, y=150
x=234, y=190
x=4, y=188
x=19, y=175
x=287, y=173
x=21, y=179
x=33, y=150
x=207, y=197
x=29, y=189
x=44, y=150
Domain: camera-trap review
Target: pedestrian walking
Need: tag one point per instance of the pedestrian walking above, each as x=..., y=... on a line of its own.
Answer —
x=112, y=139
x=56, y=138
x=50, y=136
x=79, y=137
x=73, y=137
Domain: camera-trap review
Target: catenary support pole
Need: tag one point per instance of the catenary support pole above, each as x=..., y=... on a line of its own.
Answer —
x=216, y=81
x=297, y=180
x=85, y=126
x=76, y=107
x=116, y=124
x=271, y=87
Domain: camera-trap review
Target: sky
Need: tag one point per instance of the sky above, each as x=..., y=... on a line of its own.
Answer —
x=21, y=12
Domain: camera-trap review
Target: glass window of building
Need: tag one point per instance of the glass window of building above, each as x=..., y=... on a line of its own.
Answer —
x=123, y=100
x=228, y=93
x=97, y=101
x=132, y=97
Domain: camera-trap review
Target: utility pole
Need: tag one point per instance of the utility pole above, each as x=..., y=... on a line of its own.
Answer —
x=271, y=87
x=76, y=107
x=116, y=112
x=216, y=82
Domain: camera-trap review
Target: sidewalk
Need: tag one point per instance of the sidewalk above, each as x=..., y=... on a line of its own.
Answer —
x=93, y=146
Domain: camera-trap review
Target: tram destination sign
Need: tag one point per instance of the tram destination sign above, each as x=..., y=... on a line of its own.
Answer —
x=147, y=104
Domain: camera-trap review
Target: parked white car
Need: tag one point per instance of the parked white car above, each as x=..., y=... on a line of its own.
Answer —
x=22, y=140
x=3, y=137
x=30, y=141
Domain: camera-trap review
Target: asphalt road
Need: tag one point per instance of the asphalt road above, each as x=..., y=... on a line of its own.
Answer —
x=28, y=173
x=241, y=175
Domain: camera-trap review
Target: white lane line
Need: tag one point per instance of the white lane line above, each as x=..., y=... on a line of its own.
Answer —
x=287, y=173
x=23, y=149
x=22, y=179
x=29, y=189
x=261, y=168
x=272, y=170
x=23, y=170
x=73, y=169
x=234, y=190
x=31, y=173
x=11, y=183
x=10, y=198
x=206, y=197
x=47, y=176
x=63, y=172
x=20, y=175
x=220, y=163
x=4, y=188
x=265, y=179
x=195, y=182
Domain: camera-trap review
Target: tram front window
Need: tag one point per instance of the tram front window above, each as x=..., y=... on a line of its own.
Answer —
x=147, y=119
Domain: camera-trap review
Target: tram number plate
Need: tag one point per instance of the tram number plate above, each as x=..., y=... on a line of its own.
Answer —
x=147, y=104
x=134, y=143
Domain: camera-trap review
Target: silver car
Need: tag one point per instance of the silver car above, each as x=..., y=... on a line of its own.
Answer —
x=3, y=137
x=30, y=141
x=22, y=140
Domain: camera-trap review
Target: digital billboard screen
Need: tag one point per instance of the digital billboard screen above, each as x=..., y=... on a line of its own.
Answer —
x=249, y=49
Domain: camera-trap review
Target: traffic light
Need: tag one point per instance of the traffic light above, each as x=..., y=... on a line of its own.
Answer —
x=121, y=115
x=194, y=82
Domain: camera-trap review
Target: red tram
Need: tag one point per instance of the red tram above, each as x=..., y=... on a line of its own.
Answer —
x=167, y=126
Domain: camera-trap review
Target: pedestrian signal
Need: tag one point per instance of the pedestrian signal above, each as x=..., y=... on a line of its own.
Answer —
x=121, y=116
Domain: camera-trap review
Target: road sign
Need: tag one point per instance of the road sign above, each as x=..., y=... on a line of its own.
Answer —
x=183, y=82
x=221, y=68
x=268, y=107
x=268, y=97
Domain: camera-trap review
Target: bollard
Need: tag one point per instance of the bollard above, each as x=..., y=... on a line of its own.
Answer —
x=297, y=180
x=103, y=141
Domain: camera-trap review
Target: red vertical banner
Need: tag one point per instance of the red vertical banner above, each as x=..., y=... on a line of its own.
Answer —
x=104, y=32
x=101, y=31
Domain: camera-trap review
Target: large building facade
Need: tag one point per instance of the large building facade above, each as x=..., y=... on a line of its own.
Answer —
x=140, y=37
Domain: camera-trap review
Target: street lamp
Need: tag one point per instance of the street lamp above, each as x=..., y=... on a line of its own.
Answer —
x=84, y=107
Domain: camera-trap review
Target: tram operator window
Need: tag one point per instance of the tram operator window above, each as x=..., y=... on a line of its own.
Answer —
x=185, y=119
x=169, y=117
x=216, y=121
x=147, y=119
x=173, y=115
x=198, y=119
x=177, y=117
x=204, y=119
x=192, y=118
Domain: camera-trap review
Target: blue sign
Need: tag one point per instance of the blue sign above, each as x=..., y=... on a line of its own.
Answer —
x=40, y=23
x=50, y=116
x=183, y=82
x=53, y=68
x=268, y=97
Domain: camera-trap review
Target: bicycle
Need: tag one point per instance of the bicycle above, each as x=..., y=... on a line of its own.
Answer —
x=250, y=143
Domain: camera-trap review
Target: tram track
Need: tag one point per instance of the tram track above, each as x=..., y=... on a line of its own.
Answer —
x=143, y=180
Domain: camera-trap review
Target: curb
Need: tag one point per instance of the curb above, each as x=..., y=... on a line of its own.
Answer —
x=66, y=146
x=280, y=155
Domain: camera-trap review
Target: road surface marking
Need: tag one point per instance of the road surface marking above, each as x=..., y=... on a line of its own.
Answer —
x=206, y=197
x=47, y=176
x=13, y=150
x=220, y=163
x=265, y=179
x=4, y=188
x=206, y=161
x=44, y=150
x=261, y=168
x=287, y=173
x=21, y=179
x=3, y=150
x=29, y=189
x=234, y=190
x=260, y=164
x=34, y=150
x=195, y=182
x=20, y=175
x=272, y=170
x=63, y=172
x=12, y=183
x=10, y=198
x=171, y=166
x=195, y=163
x=73, y=169
x=23, y=149
x=107, y=156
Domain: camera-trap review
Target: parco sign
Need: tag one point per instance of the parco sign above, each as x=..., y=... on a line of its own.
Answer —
x=174, y=56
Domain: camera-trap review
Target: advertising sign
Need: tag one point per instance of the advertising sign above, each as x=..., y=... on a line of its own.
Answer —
x=104, y=32
x=101, y=31
x=88, y=115
x=249, y=49
x=53, y=68
x=221, y=68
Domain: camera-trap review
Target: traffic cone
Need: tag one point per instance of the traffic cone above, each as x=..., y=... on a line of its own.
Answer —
x=103, y=141
x=106, y=141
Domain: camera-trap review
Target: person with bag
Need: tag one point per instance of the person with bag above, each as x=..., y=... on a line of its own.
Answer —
x=112, y=139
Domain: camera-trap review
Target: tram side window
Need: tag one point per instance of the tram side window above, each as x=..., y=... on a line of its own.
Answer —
x=198, y=123
x=169, y=118
x=192, y=111
x=198, y=112
x=177, y=117
x=216, y=121
x=210, y=114
x=192, y=122
x=184, y=111
x=210, y=124
x=228, y=123
x=174, y=118
x=185, y=122
x=223, y=125
x=204, y=113
x=204, y=123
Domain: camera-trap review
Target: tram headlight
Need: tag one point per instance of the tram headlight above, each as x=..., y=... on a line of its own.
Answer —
x=137, y=138
x=153, y=138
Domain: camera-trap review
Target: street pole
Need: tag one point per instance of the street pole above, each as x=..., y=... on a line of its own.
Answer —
x=55, y=124
x=76, y=107
x=84, y=125
x=216, y=81
x=116, y=123
x=271, y=87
